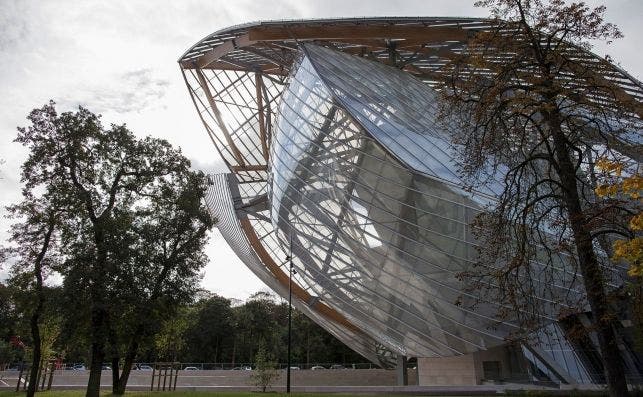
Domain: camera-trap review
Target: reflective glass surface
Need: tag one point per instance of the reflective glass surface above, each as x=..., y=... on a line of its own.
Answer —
x=343, y=162
x=364, y=188
x=378, y=241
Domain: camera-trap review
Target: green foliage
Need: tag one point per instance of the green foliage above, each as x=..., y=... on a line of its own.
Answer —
x=259, y=321
x=171, y=338
x=130, y=228
x=7, y=354
x=264, y=374
x=219, y=332
x=131, y=240
x=209, y=336
x=8, y=315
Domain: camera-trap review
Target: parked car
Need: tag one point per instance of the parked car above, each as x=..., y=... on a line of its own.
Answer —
x=190, y=369
x=316, y=367
x=295, y=368
x=79, y=367
x=106, y=368
x=246, y=368
x=145, y=367
x=336, y=366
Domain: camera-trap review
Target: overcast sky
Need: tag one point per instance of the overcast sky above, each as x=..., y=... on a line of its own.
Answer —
x=118, y=58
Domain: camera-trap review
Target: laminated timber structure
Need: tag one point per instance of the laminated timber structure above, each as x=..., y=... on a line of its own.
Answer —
x=328, y=128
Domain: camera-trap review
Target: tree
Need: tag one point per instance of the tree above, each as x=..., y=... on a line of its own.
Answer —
x=215, y=330
x=7, y=313
x=33, y=248
x=171, y=339
x=265, y=373
x=166, y=250
x=7, y=354
x=531, y=109
x=258, y=323
x=111, y=184
x=308, y=341
x=211, y=331
x=620, y=182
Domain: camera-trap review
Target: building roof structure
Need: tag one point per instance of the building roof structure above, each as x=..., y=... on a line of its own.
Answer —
x=328, y=128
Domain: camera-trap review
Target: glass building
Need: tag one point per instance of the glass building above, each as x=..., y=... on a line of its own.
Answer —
x=328, y=128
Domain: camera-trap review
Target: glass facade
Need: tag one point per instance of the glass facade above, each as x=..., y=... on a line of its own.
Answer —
x=339, y=158
x=366, y=245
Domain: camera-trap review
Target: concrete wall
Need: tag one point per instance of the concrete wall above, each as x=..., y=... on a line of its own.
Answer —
x=457, y=370
x=467, y=369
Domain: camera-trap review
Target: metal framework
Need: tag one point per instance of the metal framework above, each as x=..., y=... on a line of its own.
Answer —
x=329, y=145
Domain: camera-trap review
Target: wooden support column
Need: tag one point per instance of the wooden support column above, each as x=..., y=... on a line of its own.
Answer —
x=283, y=279
x=217, y=115
x=262, y=121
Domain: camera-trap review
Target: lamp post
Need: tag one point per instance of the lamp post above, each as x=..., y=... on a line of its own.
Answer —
x=290, y=271
x=289, y=326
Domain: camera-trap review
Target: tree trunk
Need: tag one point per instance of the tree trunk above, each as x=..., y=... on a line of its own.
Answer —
x=132, y=350
x=116, y=379
x=127, y=369
x=115, y=358
x=120, y=383
x=35, y=334
x=98, y=355
x=35, y=316
x=589, y=266
x=99, y=321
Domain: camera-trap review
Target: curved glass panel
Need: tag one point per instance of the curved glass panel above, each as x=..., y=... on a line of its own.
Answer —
x=377, y=242
x=380, y=241
x=221, y=204
x=397, y=109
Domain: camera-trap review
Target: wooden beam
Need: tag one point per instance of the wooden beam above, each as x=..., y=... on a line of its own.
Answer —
x=268, y=57
x=262, y=122
x=371, y=36
x=283, y=279
x=217, y=115
x=224, y=65
x=205, y=124
x=219, y=51
x=277, y=33
x=250, y=167
x=423, y=75
x=608, y=87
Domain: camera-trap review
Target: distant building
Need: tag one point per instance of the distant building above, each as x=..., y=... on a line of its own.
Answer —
x=335, y=152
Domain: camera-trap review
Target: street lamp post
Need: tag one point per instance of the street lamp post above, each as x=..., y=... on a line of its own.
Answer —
x=290, y=271
x=289, y=325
